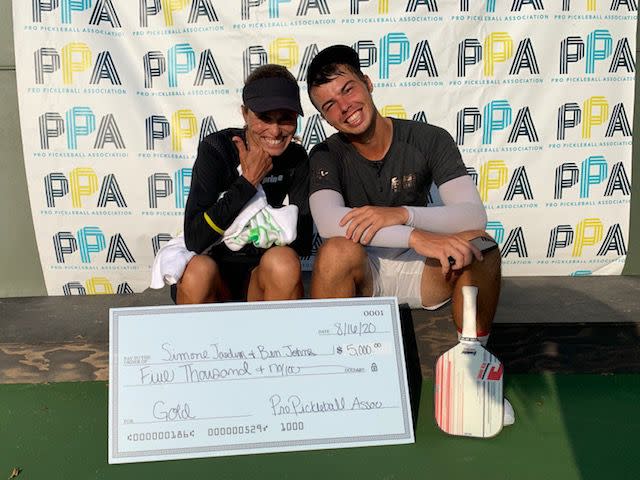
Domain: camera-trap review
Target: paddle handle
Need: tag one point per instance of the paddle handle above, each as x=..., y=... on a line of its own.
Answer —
x=469, y=307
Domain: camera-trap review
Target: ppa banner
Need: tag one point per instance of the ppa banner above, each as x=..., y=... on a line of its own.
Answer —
x=115, y=95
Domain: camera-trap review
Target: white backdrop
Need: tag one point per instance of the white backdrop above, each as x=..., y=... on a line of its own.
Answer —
x=114, y=96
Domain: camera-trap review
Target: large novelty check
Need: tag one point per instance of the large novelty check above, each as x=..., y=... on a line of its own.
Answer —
x=241, y=378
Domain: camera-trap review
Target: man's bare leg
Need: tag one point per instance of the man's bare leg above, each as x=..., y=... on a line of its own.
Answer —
x=485, y=275
x=201, y=282
x=341, y=270
x=277, y=277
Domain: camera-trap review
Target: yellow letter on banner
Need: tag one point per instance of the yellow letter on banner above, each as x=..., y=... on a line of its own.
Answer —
x=178, y=131
x=70, y=61
x=83, y=182
x=493, y=175
x=396, y=111
x=383, y=6
x=170, y=6
x=284, y=51
x=596, y=111
x=588, y=233
x=498, y=47
x=99, y=286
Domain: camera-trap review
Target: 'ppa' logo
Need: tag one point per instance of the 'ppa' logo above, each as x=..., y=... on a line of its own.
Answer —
x=595, y=112
x=313, y=131
x=394, y=49
x=95, y=286
x=75, y=57
x=157, y=241
x=89, y=241
x=497, y=49
x=497, y=116
x=183, y=125
x=382, y=6
x=592, y=5
x=397, y=110
x=180, y=60
x=589, y=232
x=515, y=242
x=516, y=6
x=495, y=174
x=593, y=171
x=83, y=182
x=283, y=51
x=199, y=8
x=273, y=7
x=103, y=11
x=79, y=122
x=599, y=46
x=163, y=185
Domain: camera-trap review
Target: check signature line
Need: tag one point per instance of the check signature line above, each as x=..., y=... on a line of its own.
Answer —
x=241, y=379
x=189, y=420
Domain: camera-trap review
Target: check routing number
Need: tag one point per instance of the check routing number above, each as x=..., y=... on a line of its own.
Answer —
x=242, y=378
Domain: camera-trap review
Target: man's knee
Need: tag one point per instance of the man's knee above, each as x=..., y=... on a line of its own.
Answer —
x=340, y=253
x=435, y=289
x=491, y=259
x=471, y=234
x=340, y=270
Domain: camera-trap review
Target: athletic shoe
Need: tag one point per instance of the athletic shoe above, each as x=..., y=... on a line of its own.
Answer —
x=509, y=417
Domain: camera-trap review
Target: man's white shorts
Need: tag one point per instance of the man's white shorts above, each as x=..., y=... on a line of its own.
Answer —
x=397, y=272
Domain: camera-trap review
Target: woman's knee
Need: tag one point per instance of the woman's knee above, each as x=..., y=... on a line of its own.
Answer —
x=200, y=270
x=281, y=264
x=200, y=281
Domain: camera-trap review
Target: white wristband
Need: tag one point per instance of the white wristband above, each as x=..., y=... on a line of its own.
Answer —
x=410, y=220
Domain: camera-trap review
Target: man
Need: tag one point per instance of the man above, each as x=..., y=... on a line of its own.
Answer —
x=230, y=166
x=369, y=186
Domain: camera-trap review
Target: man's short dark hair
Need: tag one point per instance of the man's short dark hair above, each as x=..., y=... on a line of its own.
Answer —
x=328, y=63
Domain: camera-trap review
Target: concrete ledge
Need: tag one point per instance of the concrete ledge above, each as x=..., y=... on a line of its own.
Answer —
x=523, y=300
x=556, y=324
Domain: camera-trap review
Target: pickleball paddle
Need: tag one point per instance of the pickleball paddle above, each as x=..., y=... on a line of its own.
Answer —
x=468, y=382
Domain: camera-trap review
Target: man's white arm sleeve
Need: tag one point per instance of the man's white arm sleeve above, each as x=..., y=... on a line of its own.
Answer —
x=327, y=209
x=462, y=209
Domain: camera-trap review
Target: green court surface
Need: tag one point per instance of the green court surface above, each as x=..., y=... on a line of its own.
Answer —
x=568, y=427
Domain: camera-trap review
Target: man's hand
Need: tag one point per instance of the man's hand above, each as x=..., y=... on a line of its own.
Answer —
x=255, y=162
x=441, y=247
x=364, y=222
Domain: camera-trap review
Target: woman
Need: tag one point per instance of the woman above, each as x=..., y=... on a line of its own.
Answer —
x=230, y=166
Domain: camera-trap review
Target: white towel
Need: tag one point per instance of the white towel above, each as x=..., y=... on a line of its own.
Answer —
x=170, y=262
x=257, y=203
x=261, y=224
x=270, y=226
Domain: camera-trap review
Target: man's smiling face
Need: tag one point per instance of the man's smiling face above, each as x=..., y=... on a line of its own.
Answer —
x=345, y=102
